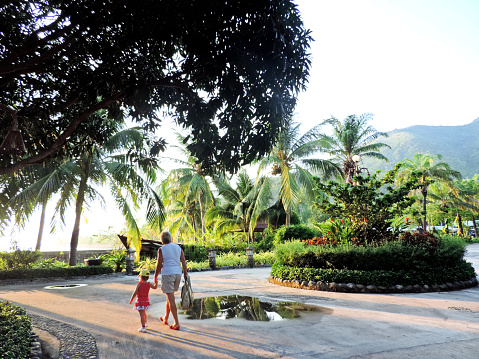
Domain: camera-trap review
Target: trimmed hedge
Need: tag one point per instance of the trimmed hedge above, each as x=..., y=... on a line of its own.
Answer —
x=436, y=275
x=297, y=231
x=386, y=264
x=390, y=256
x=29, y=273
x=15, y=332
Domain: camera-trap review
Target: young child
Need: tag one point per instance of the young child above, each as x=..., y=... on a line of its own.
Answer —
x=142, y=301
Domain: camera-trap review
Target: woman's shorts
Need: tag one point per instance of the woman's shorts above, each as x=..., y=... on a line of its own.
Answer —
x=170, y=283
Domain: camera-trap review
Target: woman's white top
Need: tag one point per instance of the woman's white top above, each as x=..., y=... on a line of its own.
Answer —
x=171, y=259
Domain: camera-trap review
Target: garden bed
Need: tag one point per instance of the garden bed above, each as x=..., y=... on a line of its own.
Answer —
x=360, y=288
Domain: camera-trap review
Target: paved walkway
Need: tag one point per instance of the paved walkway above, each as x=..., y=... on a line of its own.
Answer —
x=430, y=325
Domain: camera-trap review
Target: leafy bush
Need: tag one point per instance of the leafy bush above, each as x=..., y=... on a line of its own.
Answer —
x=267, y=242
x=195, y=253
x=15, y=332
x=29, y=273
x=370, y=206
x=19, y=259
x=298, y=231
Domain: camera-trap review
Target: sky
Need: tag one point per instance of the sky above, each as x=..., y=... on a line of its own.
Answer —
x=408, y=62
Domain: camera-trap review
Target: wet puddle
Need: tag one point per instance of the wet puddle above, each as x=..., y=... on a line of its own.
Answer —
x=249, y=308
x=65, y=286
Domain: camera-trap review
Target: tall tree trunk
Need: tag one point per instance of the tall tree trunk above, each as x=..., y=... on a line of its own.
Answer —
x=194, y=228
x=424, y=196
x=42, y=224
x=461, y=228
x=475, y=226
x=202, y=215
x=78, y=210
x=288, y=218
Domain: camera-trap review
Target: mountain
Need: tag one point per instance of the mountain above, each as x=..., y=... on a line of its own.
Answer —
x=458, y=145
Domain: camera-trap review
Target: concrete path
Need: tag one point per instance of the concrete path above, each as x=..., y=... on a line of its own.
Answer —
x=430, y=325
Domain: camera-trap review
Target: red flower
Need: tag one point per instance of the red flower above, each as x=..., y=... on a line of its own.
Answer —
x=331, y=220
x=365, y=220
x=342, y=220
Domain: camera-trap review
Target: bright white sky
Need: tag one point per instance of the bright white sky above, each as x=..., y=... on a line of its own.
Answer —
x=409, y=62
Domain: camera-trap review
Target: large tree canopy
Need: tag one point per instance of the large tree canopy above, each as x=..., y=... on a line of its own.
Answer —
x=226, y=70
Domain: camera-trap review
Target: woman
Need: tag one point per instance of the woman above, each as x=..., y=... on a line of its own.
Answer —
x=171, y=259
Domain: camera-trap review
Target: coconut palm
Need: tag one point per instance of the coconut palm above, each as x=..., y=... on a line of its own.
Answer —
x=466, y=191
x=39, y=185
x=76, y=182
x=350, y=137
x=439, y=171
x=189, y=194
x=290, y=158
x=241, y=206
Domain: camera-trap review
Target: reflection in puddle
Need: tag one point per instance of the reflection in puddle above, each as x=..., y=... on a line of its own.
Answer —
x=249, y=308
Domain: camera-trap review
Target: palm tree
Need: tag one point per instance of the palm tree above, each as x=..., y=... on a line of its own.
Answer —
x=350, y=137
x=431, y=172
x=190, y=194
x=465, y=191
x=290, y=158
x=241, y=207
x=130, y=180
x=41, y=184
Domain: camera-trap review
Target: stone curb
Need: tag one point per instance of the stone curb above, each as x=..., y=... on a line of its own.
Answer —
x=35, y=347
x=75, y=343
x=359, y=288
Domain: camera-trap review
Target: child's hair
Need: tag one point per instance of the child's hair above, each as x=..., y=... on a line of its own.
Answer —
x=145, y=275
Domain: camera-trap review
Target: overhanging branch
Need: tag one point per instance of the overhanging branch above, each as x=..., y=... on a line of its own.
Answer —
x=62, y=139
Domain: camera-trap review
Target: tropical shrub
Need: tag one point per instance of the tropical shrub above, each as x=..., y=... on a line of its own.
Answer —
x=19, y=259
x=116, y=259
x=336, y=231
x=147, y=263
x=15, y=332
x=371, y=206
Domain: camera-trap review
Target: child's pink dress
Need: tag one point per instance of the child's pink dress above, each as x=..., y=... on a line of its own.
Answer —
x=142, y=300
